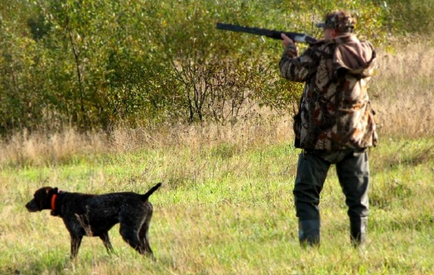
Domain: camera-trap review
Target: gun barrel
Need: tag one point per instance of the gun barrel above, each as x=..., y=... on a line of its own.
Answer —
x=274, y=34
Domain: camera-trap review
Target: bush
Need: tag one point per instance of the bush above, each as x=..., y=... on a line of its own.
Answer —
x=94, y=64
x=411, y=16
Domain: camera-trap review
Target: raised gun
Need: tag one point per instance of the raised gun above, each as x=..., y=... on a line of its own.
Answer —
x=297, y=37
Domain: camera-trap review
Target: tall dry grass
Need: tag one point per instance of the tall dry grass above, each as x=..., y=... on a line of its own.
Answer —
x=402, y=94
x=403, y=91
x=41, y=148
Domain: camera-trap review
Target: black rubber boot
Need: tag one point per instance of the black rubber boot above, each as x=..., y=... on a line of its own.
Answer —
x=358, y=231
x=309, y=232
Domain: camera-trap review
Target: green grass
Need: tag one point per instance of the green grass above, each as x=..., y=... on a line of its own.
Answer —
x=225, y=208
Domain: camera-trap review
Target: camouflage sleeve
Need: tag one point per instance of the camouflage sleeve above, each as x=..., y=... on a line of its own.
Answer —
x=293, y=67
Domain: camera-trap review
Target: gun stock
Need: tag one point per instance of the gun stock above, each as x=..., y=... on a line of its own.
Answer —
x=297, y=37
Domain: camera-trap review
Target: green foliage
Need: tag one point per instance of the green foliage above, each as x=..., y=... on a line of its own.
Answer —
x=95, y=64
x=411, y=16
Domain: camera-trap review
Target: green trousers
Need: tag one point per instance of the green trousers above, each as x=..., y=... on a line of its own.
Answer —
x=352, y=168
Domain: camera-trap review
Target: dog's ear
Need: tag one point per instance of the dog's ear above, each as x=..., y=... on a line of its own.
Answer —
x=43, y=196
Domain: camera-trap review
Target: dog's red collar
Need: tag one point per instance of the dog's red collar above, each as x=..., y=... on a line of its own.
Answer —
x=53, y=202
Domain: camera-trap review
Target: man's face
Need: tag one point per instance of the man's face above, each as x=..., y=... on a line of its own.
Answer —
x=329, y=33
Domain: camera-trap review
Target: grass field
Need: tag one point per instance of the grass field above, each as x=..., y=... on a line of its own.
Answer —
x=226, y=204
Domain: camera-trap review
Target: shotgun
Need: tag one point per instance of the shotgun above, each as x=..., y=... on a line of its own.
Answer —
x=296, y=37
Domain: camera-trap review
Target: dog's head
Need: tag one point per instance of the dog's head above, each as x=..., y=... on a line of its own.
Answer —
x=41, y=199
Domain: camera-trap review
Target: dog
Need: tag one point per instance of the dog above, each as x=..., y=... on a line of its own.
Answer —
x=94, y=215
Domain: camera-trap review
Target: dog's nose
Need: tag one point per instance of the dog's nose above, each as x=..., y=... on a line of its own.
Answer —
x=29, y=206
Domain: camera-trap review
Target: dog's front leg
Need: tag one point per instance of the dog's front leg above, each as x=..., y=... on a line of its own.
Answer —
x=106, y=240
x=75, y=245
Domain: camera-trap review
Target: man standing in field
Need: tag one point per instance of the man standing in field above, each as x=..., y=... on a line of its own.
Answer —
x=334, y=124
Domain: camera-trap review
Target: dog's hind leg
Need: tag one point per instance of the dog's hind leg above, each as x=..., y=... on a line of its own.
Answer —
x=143, y=234
x=129, y=230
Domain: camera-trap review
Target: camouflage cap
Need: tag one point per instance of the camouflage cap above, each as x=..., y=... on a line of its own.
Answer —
x=338, y=20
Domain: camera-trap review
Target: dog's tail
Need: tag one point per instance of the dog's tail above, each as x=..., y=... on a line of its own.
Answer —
x=149, y=193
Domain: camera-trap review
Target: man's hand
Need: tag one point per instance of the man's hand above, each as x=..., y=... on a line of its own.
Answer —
x=286, y=40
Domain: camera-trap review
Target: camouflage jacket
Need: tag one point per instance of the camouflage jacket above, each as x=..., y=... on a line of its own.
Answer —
x=335, y=111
